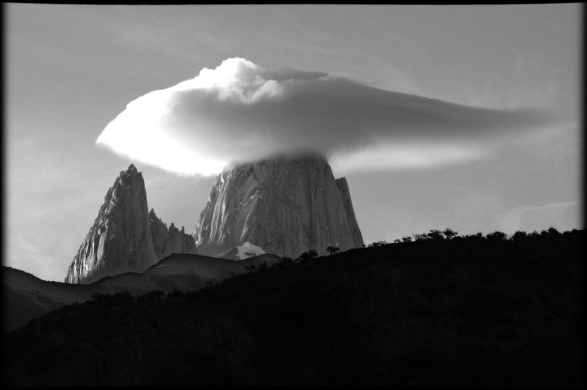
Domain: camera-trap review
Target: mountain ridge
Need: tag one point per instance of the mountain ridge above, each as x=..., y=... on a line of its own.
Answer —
x=27, y=297
x=441, y=310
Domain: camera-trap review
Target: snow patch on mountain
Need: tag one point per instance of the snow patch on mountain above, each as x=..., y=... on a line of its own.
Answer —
x=247, y=250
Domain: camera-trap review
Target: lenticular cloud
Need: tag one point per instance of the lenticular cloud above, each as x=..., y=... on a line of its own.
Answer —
x=242, y=112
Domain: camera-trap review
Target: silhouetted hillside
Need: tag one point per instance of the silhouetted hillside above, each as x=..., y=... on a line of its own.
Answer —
x=471, y=310
x=26, y=297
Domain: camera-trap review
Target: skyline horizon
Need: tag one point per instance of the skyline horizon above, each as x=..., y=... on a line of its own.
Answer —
x=295, y=156
x=73, y=69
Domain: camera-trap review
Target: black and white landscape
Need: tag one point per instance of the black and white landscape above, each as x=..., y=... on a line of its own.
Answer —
x=294, y=194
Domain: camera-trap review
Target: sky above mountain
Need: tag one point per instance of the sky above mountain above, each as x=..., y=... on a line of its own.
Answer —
x=439, y=116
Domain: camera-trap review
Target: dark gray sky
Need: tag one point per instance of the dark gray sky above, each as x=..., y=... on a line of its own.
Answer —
x=72, y=69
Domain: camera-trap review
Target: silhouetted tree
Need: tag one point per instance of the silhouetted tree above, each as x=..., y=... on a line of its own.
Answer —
x=449, y=233
x=332, y=250
x=574, y=234
x=551, y=233
x=534, y=234
x=435, y=235
x=497, y=236
x=519, y=236
x=284, y=262
x=378, y=243
x=309, y=255
x=478, y=236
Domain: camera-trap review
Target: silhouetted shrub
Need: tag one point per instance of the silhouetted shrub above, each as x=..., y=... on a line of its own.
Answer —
x=449, y=233
x=378, y=243
x=475, y=237
x=332, y=250
x=284, y=262
x=435, y=235
x=519, y=236
x=309, y=255
x=497, y=236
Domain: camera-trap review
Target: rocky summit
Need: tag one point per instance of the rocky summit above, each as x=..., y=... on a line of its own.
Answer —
x=285, y=205
x=125, y=237
x=169, y=241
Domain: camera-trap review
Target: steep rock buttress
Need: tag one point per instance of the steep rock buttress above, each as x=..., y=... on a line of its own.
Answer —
x=285, y=205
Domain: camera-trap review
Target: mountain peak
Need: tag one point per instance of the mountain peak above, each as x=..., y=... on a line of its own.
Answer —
x=131, y=172
x=119, y=240
x=285, y=204
x=125, y=237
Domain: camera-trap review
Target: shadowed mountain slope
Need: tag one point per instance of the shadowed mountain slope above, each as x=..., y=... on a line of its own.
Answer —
x=27, y=297
x=469, y=310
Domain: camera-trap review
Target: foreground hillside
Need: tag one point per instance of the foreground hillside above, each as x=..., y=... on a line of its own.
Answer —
x=26, y=297
x=463, y=311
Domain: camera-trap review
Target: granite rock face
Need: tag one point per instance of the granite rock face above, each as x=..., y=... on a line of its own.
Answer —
x=169, y=241
x=125, y=237
x=120, y=239
x=345, y=195
x=285, y=205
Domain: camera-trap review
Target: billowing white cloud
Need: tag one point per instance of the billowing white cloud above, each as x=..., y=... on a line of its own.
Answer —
x=242, y=112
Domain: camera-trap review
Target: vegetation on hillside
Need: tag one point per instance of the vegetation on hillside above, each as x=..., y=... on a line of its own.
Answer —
x=431, y=309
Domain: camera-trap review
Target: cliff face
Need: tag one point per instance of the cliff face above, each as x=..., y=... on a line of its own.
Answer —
x=169, y=241
x=123, y=236
x=284, y=205
x=120, y=239
x=345, y=195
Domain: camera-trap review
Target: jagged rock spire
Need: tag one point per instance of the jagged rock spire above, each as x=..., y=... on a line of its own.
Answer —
x=168, y=241
x=120, y=239
x=125, y=237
